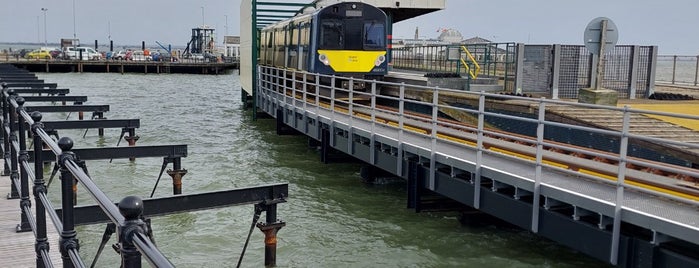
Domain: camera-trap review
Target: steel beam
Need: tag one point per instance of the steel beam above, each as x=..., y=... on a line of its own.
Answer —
x=42, y=90
x=191, y=202
x=67, y=108
x=22, y=80
x=171, y=151
x=101, y=123
x=32, y=85
x=55, y=98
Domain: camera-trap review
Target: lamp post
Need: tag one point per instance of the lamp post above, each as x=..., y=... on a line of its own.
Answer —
x=45, y=30
x=202, y=17
x=226, y=24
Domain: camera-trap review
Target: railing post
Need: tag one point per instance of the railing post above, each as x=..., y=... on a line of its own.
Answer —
x=539, y=159
x=68, y=238
x=131, y=207
x=696, y=72
x=674, y=68
x=41, y=243
x=24, y=177
x=621, y=176
x=14, y=169
x=479, y=153
x=4, y=125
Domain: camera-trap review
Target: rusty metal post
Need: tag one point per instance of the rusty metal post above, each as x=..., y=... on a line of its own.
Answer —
x=81, y=114
x=132, y=139
x=99, y=116
x=270, y=228
x=177, y=173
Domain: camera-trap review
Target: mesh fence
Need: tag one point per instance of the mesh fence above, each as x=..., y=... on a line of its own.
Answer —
x=576, y=65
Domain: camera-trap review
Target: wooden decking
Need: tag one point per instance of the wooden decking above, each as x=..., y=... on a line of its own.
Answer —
x=17, y=249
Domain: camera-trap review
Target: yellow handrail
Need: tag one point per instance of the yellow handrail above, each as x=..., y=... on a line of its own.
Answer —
x=473, y=74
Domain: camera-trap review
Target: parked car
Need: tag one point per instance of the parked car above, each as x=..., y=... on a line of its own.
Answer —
x=39, y=54
x=88, y=53
x=119, y=55
x=138, y=55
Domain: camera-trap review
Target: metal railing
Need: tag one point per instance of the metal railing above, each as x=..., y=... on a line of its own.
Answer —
x=127, y=216
x=472, y=66
x=678, y=70
x=128, y=219
x=356, y=108
x=495, y=59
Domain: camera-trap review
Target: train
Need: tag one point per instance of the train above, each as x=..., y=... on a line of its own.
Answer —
x=346, y=39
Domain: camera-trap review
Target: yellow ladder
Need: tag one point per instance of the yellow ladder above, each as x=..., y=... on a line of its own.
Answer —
x=473, y=73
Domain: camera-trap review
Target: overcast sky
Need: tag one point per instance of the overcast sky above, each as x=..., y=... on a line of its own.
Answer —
x=673, y=25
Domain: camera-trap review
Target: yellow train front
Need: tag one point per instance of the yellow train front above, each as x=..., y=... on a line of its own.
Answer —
x=347, y=39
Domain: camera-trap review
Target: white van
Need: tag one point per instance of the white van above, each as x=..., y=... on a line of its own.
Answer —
x=88, y=53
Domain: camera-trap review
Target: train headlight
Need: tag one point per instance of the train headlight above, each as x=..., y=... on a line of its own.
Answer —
x=324, y=59
x=380, y=59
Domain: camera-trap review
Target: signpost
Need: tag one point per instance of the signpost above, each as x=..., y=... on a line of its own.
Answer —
x=600, y=36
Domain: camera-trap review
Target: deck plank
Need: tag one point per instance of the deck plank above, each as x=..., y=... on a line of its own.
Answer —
x=17, y=249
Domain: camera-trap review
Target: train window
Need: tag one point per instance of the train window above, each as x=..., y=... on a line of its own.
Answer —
x=374, y=35
x=331, y=35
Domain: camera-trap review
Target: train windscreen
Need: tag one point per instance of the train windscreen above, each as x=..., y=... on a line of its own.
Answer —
x=374, y=35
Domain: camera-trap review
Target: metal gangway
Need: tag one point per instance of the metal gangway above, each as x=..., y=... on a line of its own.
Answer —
x=612, y=205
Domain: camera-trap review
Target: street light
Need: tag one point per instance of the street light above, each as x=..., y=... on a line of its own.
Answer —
x=45, y=39
x=226, y=24
x=202, y=17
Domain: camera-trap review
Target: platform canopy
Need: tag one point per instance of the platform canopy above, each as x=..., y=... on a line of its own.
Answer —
x=397, y=9
x=269, y=12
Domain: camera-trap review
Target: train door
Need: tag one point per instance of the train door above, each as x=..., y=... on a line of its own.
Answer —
x=304, y=39
x=292, y=46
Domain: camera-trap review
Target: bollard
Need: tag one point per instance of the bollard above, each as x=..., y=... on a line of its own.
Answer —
x=177, y=173
x=131, y=207
x=68, y=240
x=39, y=190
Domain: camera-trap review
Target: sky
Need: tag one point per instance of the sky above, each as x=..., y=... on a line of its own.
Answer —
x=673, y=25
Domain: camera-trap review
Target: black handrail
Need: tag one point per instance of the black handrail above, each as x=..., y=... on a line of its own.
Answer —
x=133, y=229
x=14, y=123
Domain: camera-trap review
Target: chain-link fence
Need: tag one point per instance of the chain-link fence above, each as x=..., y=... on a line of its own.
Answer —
x=674, y=69
x=568, y=68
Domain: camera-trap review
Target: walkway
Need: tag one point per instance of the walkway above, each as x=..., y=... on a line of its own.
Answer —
x=17, y=249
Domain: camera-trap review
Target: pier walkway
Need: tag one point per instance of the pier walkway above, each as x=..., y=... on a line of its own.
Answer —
x=617, y=196
x=15, y=247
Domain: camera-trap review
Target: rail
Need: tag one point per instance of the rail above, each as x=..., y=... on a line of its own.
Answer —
x=398, y=110
x=129, y=218
x=678, y=69
x=472, y=61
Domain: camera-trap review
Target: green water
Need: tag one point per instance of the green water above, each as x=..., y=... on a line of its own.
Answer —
x=333, y=219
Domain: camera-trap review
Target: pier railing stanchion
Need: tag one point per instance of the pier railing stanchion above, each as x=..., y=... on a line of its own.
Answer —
x=41, y=243
x=4, y=125
x=14, y=170
x=68, y=238
x=24, y=203
x=131, y=207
